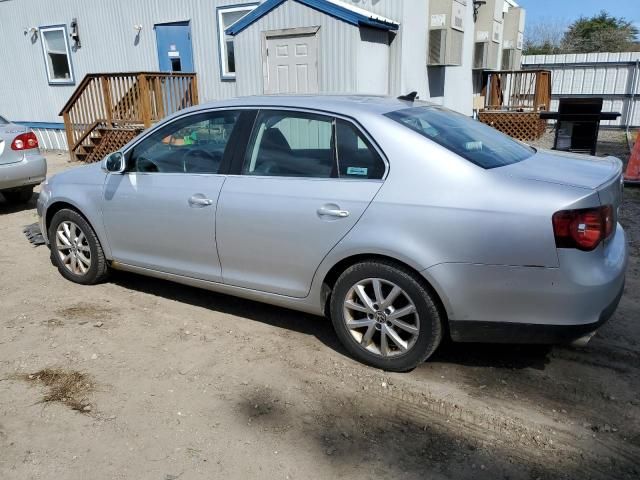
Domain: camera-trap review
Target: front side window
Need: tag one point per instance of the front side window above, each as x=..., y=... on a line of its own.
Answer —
x=291, y=144
x=472, y=140
x=193, y=144
x=57, y=55
x=227, y=16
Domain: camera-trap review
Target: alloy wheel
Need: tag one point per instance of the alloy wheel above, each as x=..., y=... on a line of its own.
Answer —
x=73, y=248
x=381, y=317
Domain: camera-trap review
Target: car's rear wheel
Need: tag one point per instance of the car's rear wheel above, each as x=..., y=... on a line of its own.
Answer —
x=384, y=316
x=75, y=249
x=19, y=195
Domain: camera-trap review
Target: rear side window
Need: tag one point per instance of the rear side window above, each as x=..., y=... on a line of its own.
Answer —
x=290, y=144
x=356, y=156
x=300, y=144
x=472, y=140
x=3, y=121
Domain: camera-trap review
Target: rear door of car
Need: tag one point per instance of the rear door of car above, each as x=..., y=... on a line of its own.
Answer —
x=302, y=182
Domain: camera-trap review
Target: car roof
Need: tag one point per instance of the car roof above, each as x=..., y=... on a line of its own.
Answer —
x=348, y=105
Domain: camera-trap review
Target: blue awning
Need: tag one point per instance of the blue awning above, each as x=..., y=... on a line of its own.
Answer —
x=343, y=11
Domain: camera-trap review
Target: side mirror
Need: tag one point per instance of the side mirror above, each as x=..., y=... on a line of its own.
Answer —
x=114, y=163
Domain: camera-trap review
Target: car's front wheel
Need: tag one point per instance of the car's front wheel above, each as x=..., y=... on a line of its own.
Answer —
x=385, y=316
x=75, y=248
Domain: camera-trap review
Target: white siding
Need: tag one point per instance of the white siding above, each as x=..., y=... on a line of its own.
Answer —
x=108, y=45
x=373, y=62
x=337, y=49
x=613, y=76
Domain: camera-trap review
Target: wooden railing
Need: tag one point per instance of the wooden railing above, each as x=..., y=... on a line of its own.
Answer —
x=122, y=101
x=514, y=100
x=518, y=91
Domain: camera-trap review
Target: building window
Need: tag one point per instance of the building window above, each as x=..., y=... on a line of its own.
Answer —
x=227, y=16
x=57, y=56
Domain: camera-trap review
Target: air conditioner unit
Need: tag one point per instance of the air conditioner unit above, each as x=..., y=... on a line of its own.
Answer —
x=513, y=32
x=480, y=55
x=508, y=56
x=446, y=32
x=488, y=35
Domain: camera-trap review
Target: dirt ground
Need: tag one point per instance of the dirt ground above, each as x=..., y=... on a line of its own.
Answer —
x=189, y=384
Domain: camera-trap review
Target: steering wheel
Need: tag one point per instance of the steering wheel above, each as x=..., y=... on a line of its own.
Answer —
x=198, y=153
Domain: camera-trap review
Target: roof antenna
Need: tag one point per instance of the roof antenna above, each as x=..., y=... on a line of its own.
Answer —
x=411, y=97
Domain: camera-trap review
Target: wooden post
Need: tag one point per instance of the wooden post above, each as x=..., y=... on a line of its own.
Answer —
x=158, y=88
x=145, y=101
x=68, y=128
x=542, y=95
x=194, y=90
x=106, y=95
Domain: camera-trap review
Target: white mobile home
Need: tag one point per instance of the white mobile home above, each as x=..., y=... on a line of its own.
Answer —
x=237, y=48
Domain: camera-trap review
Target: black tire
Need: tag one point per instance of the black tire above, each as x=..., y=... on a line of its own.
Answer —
x=430, y=319
x=98, y=269
x=19, y=195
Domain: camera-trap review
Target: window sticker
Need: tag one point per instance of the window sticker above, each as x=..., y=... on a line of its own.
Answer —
x=358, y=171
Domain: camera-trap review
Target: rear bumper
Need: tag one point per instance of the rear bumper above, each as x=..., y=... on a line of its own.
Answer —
x=532, y=333
x=31, y=170
x=513, y=304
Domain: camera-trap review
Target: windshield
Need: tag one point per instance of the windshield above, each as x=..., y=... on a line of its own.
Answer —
x=472, y=140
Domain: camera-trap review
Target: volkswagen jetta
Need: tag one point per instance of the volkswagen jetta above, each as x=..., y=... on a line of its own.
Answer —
x=402, y=221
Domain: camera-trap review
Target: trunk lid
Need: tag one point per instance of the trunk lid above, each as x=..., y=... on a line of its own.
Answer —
x=8, y=132
x=565, y=168
x=601, y=175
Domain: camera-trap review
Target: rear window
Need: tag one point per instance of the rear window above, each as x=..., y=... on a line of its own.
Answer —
x=472, y=140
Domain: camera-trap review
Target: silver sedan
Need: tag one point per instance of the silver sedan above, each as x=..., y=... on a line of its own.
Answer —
x=21, y=165
x=402, y=221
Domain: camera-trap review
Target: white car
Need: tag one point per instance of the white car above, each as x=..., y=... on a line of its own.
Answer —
x=22, y=166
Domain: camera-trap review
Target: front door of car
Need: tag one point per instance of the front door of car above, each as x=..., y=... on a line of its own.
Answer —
x=301, y=185
x=160, y=214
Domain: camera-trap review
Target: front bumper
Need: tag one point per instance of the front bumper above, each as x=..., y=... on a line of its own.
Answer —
x=31, y=170
x=517, y=304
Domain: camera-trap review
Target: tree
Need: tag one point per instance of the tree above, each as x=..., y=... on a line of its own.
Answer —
x=544, y=37
x=600, y=33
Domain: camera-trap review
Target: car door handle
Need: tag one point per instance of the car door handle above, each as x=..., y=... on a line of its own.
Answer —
x=332, y=212
x=197, y=201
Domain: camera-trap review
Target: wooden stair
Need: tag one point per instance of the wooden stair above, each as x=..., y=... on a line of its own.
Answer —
x=107, y=110
x=105, y=140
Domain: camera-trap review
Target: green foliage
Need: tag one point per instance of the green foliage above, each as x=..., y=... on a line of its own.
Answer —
x=600, y=33
x=545, y=48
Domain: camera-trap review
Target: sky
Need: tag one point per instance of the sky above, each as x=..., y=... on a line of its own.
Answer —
x=567, y=11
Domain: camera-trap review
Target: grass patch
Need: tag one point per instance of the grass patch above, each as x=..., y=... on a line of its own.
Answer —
x=69, y=387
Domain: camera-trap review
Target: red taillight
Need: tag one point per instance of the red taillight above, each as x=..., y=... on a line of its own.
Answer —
x=25, y=141
x=583, y=229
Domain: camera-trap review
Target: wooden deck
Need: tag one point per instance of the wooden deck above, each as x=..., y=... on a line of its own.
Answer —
x=107, y=110
x=514, y=100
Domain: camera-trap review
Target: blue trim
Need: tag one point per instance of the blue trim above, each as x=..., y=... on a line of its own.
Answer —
x=223, y=77
x=72, y=80
x=45, y=125
x=332, y=9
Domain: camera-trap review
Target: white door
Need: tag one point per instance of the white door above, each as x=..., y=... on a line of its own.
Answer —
x=292, y=64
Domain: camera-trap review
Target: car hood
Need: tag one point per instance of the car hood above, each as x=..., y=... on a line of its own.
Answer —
x=565, y=168
x=91, y=174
